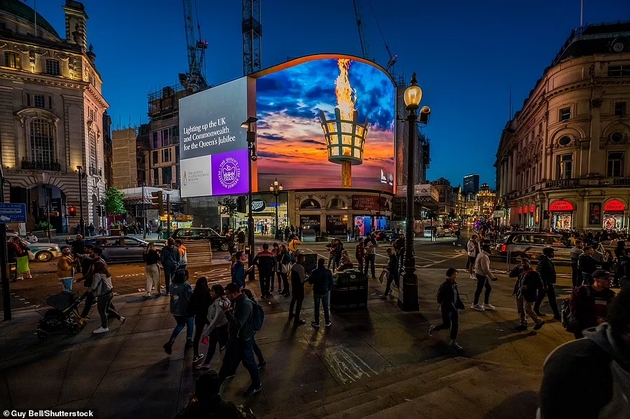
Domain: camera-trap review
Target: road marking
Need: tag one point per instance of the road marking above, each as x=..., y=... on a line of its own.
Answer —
x=348, y=366
x=440, y=261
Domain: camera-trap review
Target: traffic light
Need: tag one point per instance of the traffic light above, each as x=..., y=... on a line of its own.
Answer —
x=241, y=204
x=72, y=211
x=158, y=199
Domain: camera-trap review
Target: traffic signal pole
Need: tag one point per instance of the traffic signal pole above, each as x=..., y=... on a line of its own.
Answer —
x=4, y=265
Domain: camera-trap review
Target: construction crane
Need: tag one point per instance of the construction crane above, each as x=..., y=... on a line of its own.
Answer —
x=362, y=38
x=252, y=34
x=392, y=58
x=194, y=80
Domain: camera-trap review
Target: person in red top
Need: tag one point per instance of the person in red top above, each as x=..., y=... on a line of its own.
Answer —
x=589, y=303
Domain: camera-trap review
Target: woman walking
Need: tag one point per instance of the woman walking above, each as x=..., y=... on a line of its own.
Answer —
x=21, y=253
x=284, y=261
x=450, y=303
x=181, y=293
x=152, y=270
x=217, y=327
x=198, y=307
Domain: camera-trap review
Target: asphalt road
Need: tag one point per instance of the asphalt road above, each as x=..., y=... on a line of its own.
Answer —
x=129, y=278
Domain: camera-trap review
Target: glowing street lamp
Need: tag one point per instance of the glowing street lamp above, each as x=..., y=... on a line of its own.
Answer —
x=276, y=189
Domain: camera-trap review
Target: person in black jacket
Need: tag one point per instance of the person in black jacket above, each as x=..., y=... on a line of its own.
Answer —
x=526, y=290
x=394, y=274
x=298, y=278
x=266, y=263
x=323, y=281
x=206, y=402
x=547, y=272
x=198, y=307
x=449, y=301
x=587, y=265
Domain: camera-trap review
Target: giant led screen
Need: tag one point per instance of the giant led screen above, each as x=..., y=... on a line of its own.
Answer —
x=291, y=142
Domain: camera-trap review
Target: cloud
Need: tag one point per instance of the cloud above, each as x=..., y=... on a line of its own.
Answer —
x=271, y=137
x=313, y=142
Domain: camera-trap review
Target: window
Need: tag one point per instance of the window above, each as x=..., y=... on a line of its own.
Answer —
x=616, y=137
x=620, y=108
x=565, y=166
x=155, y=158
x=619, y=70
x=155, y=140
x=12, y=59
x=90, y=114
x=534, y=180
x=52, y=67
x=615, y=164
x=28, y=100
x=166, y=155
x=565, y=114
x=167, y=175
x=156, y=176
x=42, y=144
x=540, y=129
x=39, y=101
x=175, y=131
x=564, y=141
x=93, y=147
x=50, y=105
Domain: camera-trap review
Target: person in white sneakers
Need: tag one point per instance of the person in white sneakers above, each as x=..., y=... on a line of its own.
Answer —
x=484, y=276
x=472, y=247
x=102, y=289
x=450, y=303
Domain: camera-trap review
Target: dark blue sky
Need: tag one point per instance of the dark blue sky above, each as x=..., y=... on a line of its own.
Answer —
x=466, y=54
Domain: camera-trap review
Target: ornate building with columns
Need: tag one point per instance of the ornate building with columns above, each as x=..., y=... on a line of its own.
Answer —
x=51, y=122
x=564, y=159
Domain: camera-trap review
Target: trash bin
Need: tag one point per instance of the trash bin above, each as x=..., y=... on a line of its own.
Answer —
x=350, y=291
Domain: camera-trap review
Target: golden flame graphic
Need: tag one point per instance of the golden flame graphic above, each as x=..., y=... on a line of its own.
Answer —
x=346, y=95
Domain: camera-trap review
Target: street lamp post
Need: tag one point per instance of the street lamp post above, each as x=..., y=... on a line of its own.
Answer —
x=81, y=221
x=276, y=189
x=250, y=126
x=408, y=299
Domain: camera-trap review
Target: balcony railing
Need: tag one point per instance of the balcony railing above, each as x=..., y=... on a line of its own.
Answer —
x=40, y=165
x=95, y=171
x=623, y=181
x=562, y=183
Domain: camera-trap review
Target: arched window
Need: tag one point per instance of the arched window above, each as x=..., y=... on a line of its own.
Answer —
x=42, y=144
x=310, y=204
x=336, y=203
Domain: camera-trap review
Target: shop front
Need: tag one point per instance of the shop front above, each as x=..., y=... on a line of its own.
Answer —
x=561, y=214
x=614, y=215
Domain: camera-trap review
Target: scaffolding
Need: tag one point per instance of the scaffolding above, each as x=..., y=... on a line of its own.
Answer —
x=164, y=103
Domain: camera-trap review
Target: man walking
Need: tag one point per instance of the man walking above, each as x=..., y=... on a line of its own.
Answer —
x=484, y=276
x=239, y=347
x=323, y=281
x=450, y=302
x=525, y=290
x=102, y=289
x=359, y=253
x=394, y=274
x=472, y=247
x=240, y=237
x=547, y=272
x=298, y=278
x=370, y=256
x=170, y=262
x=265, y=262
x=575, y=252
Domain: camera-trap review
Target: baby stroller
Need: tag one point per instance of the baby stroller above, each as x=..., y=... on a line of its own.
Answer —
x=63, y=316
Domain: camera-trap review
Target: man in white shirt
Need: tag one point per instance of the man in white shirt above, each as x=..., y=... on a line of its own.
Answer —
x=31, y=237
x=484, y=276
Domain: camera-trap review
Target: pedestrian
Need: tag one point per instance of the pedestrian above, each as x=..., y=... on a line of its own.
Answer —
x=450, y=302
x=359, y=254
x=181, y=294
x=547, y=272
x=458, y=236
x=183, y=254
x=86, y=261
x=348, y=235
x=337, y=254
x=322, y=281
x=483, y=276
x=526, y=290
x=589, y=302
x=370, y=256
x=255, y=347
x=206, y=402
x=102, y=288
x=239, y=348
x=284, y=265
x=345, y=263
x=472, y=249
x=32, y=238
x=293, y=244
x=65, y=269
x=22, y=259
x=152, y=270
x=276, y=268
x=240, y=237
x=238, y=270
x=575, y=252
x=595, y=369
x=266, y=263
x=198, y=307
x=170, y=262
x=399, y=247
x=587, y=264
x=216, y=329
x=78, y=245
x=394, y=273
x=298, y=278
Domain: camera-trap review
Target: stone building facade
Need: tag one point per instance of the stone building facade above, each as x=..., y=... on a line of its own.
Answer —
x=563, y=160
x=52, y=116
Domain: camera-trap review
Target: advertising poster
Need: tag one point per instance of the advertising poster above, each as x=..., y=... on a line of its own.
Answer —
x=595, y=213
x=310, y=222
x=213, y=146
x=335, y=225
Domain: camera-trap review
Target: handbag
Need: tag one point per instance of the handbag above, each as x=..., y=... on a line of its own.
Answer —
x=31, y=255
x=286, y=268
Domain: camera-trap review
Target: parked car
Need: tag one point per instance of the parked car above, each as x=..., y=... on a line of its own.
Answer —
x=43, y=252
x=531, y=244
x=386, y=235
x=121, y=249
x=217, y=241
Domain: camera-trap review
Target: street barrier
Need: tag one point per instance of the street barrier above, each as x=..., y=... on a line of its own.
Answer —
x=198, y=252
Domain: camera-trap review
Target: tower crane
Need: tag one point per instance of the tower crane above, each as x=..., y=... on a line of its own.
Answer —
x=362, y=38
x=194, y=80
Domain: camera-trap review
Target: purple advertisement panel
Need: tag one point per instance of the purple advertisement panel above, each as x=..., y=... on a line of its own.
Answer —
x=230, y=173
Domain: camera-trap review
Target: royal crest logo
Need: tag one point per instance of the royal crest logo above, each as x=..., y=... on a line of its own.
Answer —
x=229, y=172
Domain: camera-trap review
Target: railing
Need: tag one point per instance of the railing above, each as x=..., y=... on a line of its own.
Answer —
x=41, y=165
x=562, y=183
x=624, y=181
x=95, y=171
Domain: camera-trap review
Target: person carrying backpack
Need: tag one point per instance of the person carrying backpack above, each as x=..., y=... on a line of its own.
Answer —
x=595, y=369
x=526, y=291
x=450, y=303
x=240, y=345
x=258, y=316
x=589, y=303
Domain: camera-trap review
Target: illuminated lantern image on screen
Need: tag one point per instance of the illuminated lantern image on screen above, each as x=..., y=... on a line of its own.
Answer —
x=291, y=143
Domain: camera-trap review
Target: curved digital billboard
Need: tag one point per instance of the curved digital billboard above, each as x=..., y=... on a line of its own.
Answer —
x=291, y=142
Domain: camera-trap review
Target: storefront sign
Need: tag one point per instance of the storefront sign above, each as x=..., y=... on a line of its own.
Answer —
x=520, y=210
x=258, y=205
x=498, y=214
x=561, y=206
x=532, y=208
x=525, y=209
x=614, y=205
x=368, y=203
x=336, y=225
x=595, y=213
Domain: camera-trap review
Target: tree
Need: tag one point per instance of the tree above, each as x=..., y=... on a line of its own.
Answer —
x=229, y=208
x=113, y=202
